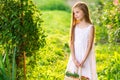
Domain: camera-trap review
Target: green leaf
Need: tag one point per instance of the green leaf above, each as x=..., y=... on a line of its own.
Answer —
x=14, y=65
x=8, y=62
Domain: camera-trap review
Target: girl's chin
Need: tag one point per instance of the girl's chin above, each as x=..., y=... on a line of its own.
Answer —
x=78, y=20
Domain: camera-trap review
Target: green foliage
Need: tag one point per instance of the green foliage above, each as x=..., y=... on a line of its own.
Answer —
x=5, y=71
x=107, y=21
x=112, y=20
x=51, y=61
x=100, y=29
x=111, y=71
x=14, y=65
x=56, y=22
x=49, y=65
x=20, y=29
x=3, y=75
x=20, y=24
x=108, y=61
x=75, y=75
x=52, y=5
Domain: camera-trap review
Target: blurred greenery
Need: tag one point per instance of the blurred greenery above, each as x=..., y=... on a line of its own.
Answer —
x=20, y=32
x=52, y=5
x=50, y=61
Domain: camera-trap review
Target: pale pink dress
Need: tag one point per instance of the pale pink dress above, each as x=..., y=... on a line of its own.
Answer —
x=80, y=46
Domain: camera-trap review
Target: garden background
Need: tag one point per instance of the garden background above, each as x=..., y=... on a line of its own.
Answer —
x=34, y=38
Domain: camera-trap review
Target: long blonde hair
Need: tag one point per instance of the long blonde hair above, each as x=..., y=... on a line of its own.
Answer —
x=82, y=6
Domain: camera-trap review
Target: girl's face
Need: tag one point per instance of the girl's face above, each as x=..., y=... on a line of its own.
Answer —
x=78, y=14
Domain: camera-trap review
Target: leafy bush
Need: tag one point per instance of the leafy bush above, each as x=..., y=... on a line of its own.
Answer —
x=112, y=70
x=111, y=18
x=50, y=62
x=107, y=21
x=6, y=67
x=20, y=28
x=107, y=58
x=52, y=5
x=100, y=29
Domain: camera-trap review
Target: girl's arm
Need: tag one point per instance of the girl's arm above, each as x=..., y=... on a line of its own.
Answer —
x=73, y=55
x=89, y=47
x=72, y=51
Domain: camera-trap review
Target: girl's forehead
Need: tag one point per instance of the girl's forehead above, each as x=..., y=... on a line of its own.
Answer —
x=76, y=9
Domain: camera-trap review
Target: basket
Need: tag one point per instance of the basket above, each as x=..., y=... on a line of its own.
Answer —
x=72, y=78
x=75, y=76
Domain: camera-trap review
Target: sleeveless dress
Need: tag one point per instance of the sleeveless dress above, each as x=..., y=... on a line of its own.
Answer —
x=80, y=47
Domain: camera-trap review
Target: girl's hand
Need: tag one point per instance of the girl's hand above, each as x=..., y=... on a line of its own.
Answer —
x=76, y=63
x=81, y=64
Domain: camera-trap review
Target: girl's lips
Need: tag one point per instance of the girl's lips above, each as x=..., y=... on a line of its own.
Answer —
x=76, y=17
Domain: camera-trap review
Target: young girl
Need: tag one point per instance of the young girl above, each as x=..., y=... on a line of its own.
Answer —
x=82, y=43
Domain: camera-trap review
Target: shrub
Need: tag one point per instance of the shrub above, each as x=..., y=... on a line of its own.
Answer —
x=20, y=32
x=112, y=71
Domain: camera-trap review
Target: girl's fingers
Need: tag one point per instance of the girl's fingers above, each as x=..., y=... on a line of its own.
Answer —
x=81, y=65
x=77, y=64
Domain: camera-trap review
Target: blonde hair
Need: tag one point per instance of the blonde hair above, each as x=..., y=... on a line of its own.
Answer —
x=82, y=6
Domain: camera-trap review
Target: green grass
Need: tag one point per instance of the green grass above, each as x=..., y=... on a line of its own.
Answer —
x=57, y=26
x=52, y=5
x=107, y=60
x=56, y=21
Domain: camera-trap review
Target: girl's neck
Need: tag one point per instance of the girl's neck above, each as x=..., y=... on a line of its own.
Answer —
x=81, y=22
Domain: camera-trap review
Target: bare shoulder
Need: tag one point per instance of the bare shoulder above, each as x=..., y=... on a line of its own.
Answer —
x=92, y=26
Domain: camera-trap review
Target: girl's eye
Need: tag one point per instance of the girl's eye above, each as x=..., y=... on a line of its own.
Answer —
x=77, y=11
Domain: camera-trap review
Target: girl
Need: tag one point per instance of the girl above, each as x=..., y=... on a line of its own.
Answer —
x=82, y=43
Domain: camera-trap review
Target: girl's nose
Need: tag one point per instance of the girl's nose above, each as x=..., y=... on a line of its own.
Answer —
x=75, y=15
